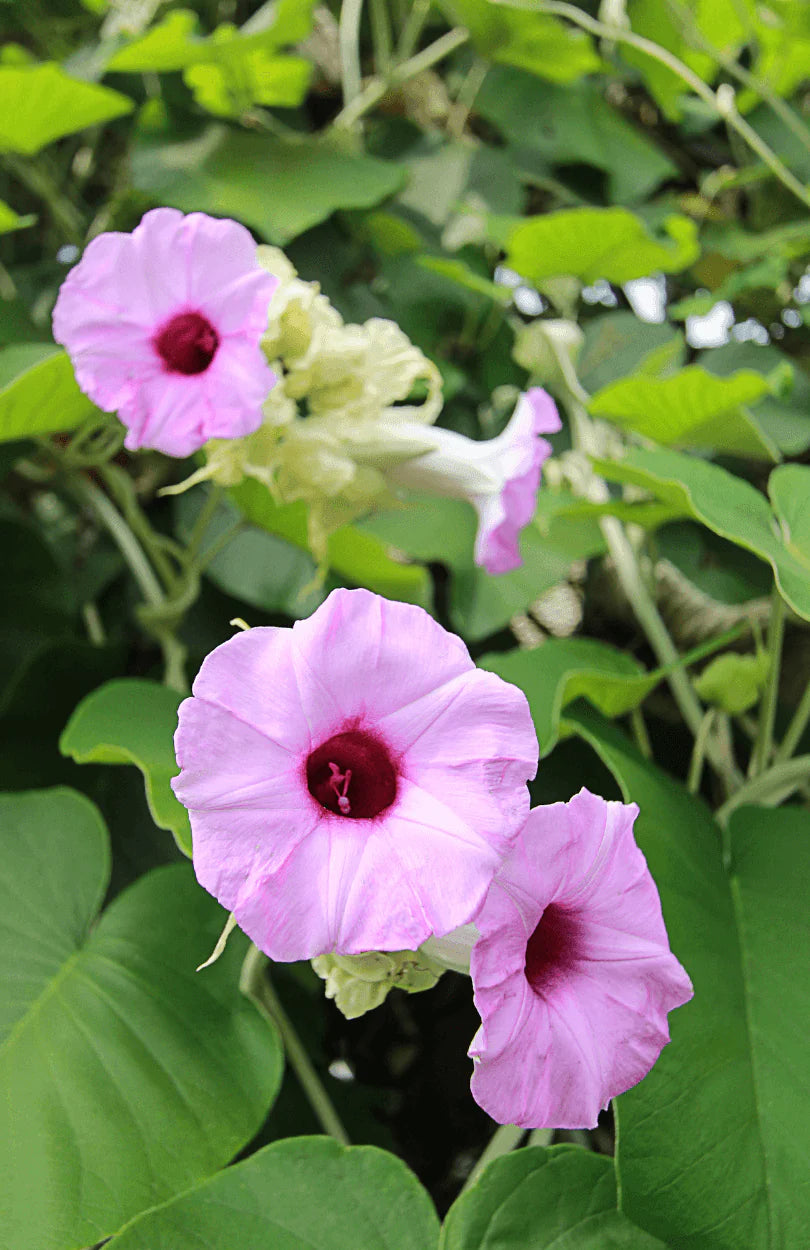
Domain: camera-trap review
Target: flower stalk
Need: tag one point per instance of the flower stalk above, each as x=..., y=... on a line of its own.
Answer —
x=255, y=985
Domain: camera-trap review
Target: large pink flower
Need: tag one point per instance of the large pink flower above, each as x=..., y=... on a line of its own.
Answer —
x=572, y=975
x=499, y=476
x=163, y=327
x=354, y=781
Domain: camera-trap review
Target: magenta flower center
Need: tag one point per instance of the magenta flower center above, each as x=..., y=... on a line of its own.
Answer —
x=352, y=774
x=552, y=948
x=187, y=344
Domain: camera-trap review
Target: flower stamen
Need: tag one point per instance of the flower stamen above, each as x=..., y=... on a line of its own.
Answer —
x=337, y=780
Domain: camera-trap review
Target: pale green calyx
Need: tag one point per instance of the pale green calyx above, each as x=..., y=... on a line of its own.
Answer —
x=359, y=983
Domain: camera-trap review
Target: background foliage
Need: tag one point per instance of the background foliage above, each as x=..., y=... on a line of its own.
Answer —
x=608, y=200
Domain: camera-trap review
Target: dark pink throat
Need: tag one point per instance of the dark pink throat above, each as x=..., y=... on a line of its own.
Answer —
x=553, y=947
x=187, y=343
x=352, y=774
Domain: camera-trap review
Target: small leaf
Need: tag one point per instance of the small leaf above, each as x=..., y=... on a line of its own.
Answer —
x=124, y=1076
x=692, y=408
x=730, y=507
x=174, y=44
x=40, y=103
x=562, y=670
x=306, y=1192
x=9, y=220
x=733, y=682
x=537, y=1199
x=593, y=243
x=229, y=87
x=132, y=721
x=532, y=41
x=280, y=187
x=42, y=399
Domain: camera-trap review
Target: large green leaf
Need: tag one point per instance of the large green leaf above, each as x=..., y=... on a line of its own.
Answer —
x=280, y=187
x=531, y=41
x=692, y=408
x=44, y=397
x=593, y=243
x=40, y=103
x=124, y=1076
x=730, y=507
x=700, y=1162
x=770, y=883
x=538, y=1199
x=554, y=126
x=228, y=71
x=565, y=669
x=132, y=721
x=353, y=554
x=789, y=489
x=307, y=1193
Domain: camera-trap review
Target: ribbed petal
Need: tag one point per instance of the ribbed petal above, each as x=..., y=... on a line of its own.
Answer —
x=556, y=1046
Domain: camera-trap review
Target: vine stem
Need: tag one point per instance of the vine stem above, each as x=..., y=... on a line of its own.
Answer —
x=174, y=653
x=122, y=536
x=767, y=713
x=749, y=80
x=381, y=35
x=769, y=788
x=205, y=516
x=256, y=985
x=797, y=726
x=349, y=43
x=721, y=101
x=376, y=88
x=699, y=752
x=409, y=35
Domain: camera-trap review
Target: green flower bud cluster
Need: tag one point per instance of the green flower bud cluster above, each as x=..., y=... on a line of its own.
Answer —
x=359, y=983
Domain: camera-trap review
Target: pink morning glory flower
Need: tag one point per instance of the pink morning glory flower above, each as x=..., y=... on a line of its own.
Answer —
x=163, y=327
x=572, y=973
x=499, y=476
x=352, y=782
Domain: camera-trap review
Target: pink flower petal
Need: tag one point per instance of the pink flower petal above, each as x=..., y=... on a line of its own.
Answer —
x=521, y=454
x=573, y=975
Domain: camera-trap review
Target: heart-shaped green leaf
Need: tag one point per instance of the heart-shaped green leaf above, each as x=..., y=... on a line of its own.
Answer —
x=720, y=1162
x=307, y=1193
x=732, y=508
x=538, y=1199
x=125, y=1076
